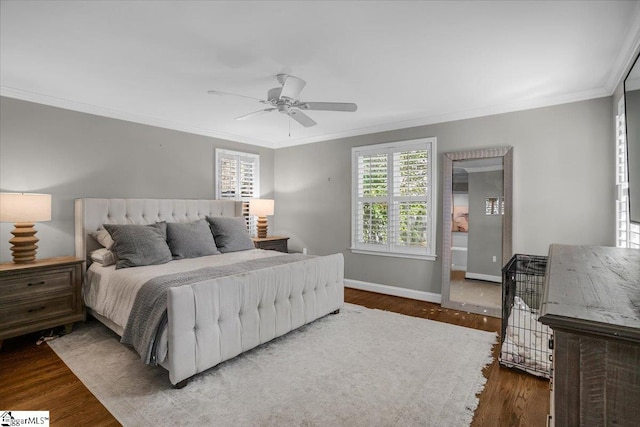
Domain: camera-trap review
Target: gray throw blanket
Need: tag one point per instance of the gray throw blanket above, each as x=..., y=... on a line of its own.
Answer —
x=148, y=316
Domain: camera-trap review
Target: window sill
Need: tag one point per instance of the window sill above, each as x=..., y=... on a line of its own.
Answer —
x=394, y=254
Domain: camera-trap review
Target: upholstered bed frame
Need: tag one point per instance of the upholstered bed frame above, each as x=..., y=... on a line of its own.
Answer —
x=303, y=291
x=90, y=214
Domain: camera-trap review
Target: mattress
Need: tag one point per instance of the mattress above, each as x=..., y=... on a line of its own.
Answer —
x=110, y=293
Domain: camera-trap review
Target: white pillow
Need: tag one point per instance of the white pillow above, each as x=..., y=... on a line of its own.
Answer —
x=104, y=256
x=103, y=237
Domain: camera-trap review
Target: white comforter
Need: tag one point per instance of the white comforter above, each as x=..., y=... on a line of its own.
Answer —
x=111, y=293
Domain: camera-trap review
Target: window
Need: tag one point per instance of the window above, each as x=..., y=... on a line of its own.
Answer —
x=238, y=178
x=627, y=233
x=494, y=206
x=491, y=206
x=393, y=198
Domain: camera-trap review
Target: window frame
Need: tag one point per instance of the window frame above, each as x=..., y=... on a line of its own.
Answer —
x=627, y=233
x=391, y=247
x=238, y=156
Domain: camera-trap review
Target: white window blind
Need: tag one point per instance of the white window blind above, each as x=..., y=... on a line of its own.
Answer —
x=238, y=178
x=627, y=233
x=393, y=198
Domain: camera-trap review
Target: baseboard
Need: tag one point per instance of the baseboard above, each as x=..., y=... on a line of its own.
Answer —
x=485, y=277
x=393, y=290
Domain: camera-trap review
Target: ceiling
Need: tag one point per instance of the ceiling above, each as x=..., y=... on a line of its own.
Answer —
x=404, y=63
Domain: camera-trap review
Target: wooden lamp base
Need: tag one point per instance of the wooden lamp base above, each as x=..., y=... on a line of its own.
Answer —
x=24, y=243
x=262, y=227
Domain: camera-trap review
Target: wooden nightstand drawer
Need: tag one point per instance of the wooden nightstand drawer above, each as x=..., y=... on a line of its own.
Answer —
x=272, y=243
x=274, y=246
x=26, y=285
x=23, y=313
x=40, y=295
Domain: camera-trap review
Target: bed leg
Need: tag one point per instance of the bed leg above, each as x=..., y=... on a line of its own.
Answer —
x=335, y=312
x=181, y=384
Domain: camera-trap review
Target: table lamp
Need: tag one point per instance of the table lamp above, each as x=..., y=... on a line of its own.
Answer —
x=261, y=208
x=24, y=209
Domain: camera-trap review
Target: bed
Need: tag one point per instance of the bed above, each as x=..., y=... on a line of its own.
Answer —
x=192, y=313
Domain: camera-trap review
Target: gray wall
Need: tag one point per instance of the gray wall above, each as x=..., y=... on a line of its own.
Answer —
x=563, y=186
x=70, y=155
x=485, y=231
x=563, y=177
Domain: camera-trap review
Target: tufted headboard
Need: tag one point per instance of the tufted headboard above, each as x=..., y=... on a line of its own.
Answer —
x=90, y=214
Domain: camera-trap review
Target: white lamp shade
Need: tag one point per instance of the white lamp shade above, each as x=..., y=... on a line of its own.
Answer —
x=25, y=207
x=261, y=207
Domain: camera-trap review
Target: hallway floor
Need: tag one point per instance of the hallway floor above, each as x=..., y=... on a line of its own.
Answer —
x=475, y=291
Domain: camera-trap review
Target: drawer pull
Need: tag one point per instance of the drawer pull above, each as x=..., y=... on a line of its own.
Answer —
x=32, y=310
x=36, y=283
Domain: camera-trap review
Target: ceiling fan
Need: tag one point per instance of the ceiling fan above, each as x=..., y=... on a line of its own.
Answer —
x=285, y=99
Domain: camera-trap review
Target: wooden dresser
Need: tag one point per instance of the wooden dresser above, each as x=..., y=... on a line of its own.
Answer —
x=40, y=295
x=592, y=302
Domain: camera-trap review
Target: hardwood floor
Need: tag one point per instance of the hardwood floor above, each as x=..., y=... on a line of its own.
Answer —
x=34, y=378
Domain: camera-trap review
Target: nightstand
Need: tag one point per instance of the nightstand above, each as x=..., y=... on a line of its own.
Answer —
x=40, y=295
x=271, y=243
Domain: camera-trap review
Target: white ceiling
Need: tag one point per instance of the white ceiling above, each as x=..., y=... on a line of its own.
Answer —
x=404, y=63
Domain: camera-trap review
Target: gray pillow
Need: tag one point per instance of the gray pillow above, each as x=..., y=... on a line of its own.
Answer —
x=230, y=233
x=138, y=245
x=190, y=239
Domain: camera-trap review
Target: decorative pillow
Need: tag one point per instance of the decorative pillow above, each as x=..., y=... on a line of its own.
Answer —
x=138, y=245
x=230, y=233
x=104, y=257
x=190, y=239
x=103, y=237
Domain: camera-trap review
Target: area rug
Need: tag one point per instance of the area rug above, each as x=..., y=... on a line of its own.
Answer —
x=361, y=367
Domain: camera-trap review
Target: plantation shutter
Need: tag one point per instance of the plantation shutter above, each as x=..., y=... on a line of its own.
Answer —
x=238, y=178
x=627, y=233
x=372, y=217
x=392, y=202
x=247, y=173
x=410, y=204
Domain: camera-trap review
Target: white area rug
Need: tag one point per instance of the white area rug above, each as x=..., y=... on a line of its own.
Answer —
x=361, y=367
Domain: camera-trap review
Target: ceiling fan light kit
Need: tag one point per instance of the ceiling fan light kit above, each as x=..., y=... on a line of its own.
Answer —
x=285, y=99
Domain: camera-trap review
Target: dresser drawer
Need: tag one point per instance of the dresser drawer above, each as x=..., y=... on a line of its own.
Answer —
x=23, y=313
x=33, y=284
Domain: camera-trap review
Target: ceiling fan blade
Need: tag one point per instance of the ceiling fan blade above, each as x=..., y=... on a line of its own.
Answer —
x=217, y=92
x=292, y=87
x=301, y=118
x=328, y=106
x=255, y=113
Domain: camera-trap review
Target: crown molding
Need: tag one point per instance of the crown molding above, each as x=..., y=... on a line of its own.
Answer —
x=449, y=117
x=68, y=104
x=384, y=127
